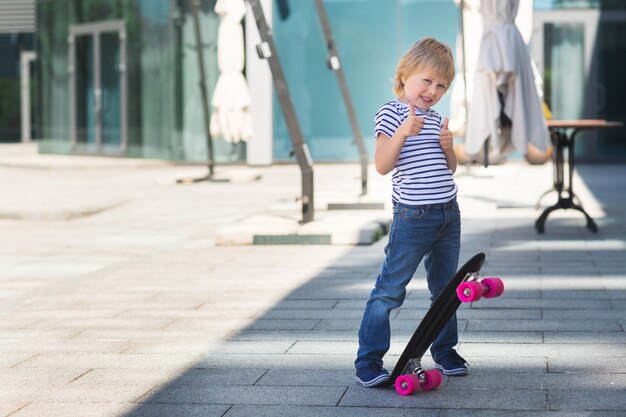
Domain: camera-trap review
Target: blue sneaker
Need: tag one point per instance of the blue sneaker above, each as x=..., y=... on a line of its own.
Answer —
x=371, y=375
x=451, y=363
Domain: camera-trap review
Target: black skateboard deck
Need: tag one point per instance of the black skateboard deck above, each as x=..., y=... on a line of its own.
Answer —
x=440, y=312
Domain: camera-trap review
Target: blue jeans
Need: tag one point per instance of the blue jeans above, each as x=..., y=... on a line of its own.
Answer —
x=432, y=231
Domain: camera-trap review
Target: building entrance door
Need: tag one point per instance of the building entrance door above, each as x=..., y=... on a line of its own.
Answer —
x=98, y=93
x=581, y=56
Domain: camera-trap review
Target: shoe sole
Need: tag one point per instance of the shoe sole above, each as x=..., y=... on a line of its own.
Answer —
x=452, y=372
x=374, y=382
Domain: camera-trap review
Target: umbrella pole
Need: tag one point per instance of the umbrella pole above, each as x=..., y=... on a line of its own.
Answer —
x=267, y=50
x=205, y=102
x=335, y=65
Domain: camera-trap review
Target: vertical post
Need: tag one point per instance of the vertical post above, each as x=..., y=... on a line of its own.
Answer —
x=203, y=89
x=267, y=50
x=335, y=65
x=26, y=58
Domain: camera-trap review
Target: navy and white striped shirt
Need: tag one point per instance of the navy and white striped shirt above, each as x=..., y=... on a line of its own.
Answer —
x=421, y=175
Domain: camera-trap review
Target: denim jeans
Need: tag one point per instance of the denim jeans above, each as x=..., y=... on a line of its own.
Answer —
x=432, y=232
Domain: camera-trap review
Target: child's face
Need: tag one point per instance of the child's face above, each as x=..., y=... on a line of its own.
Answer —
x=424, y=89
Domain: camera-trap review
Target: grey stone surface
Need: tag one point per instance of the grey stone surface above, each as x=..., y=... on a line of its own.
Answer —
x=503, y=399
x=135, y=311
x=261, y=395
x=586, y=400
x=272, y=411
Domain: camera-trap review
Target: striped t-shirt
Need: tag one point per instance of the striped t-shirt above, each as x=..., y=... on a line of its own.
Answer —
x=421, y=175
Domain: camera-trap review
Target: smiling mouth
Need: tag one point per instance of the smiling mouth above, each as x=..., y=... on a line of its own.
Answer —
x=426, y=99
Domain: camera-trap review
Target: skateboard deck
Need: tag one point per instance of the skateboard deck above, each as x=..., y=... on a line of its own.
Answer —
x=408, y=374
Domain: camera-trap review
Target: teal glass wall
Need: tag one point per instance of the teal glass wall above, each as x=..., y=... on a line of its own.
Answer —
x=11, y=46
x=164, y=108
x=371, y=36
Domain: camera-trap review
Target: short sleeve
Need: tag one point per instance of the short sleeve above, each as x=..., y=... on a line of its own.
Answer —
x=387, y=120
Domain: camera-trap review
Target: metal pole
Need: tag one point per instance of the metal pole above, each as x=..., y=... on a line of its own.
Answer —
x=203, y=89
x=267, y=50
x=335, y=65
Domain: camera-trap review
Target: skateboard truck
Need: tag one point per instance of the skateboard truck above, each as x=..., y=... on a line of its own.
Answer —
x=414, y=366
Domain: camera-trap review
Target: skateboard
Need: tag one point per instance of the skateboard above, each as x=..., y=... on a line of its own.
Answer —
x=408, y=375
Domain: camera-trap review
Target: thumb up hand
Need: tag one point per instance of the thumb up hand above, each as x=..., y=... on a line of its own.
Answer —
x=445, y=136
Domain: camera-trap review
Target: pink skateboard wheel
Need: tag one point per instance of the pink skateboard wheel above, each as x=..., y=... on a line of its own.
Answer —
x=469, y=291
x=433, y=380
x=407, y=384
x=492, y=287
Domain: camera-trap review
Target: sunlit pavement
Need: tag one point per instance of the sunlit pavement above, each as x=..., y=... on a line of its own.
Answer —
x=115, y=301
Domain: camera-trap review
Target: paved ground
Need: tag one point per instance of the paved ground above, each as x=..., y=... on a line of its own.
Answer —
x=133, y=311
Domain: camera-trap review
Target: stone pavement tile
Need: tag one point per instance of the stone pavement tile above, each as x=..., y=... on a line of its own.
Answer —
x=542, y=350
x=99, y=377
x=206, y=324
x=140, y=335
x=13, y=324
x=584, y=315
x=109, y=361
x=9, y=360
x=546, y=304
x=545, y=325
x=258, y=395
x=602, y=294
x=8, y=408
x=485, y=378
x=308, y=378
x=64, y=346
x=324, y=348
x=288, y=304
x=96, y=323
x=284, y=324
x=588, y=364
x=294, y=335
x=63, y=409
x=534, y=413
x=38, y=378
x=360, y=304
x=269, y=361
x=187, y=346
x=500, y=337
x=586, y=400
x=499, y=399
x=618, y=304
x=177, y=410
x=585, y=337
x=508, y=363
x=93, y=394
x=473, y=314
x=316, y=314
x=396, y=325
x=290, y=411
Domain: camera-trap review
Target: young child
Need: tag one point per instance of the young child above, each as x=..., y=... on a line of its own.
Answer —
x=414, y=143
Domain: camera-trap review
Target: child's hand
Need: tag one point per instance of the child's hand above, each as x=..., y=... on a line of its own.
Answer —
x=445, y=136
x=412, y=125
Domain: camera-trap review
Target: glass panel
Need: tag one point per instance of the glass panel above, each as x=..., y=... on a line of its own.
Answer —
x=579, y=4
x=110, y=87
x=610, y=57
x=85, y=90
x=369, y=51
x=564, y=72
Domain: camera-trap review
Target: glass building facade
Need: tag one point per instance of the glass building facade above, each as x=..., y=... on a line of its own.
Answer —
x=120, y=78
x=371, y=36
x=11, y=47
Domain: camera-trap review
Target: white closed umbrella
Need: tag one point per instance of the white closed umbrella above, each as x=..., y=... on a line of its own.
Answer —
x=504, y=84
x=231, y=98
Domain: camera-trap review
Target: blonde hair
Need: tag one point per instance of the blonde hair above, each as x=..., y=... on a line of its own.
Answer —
x=427, y=53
